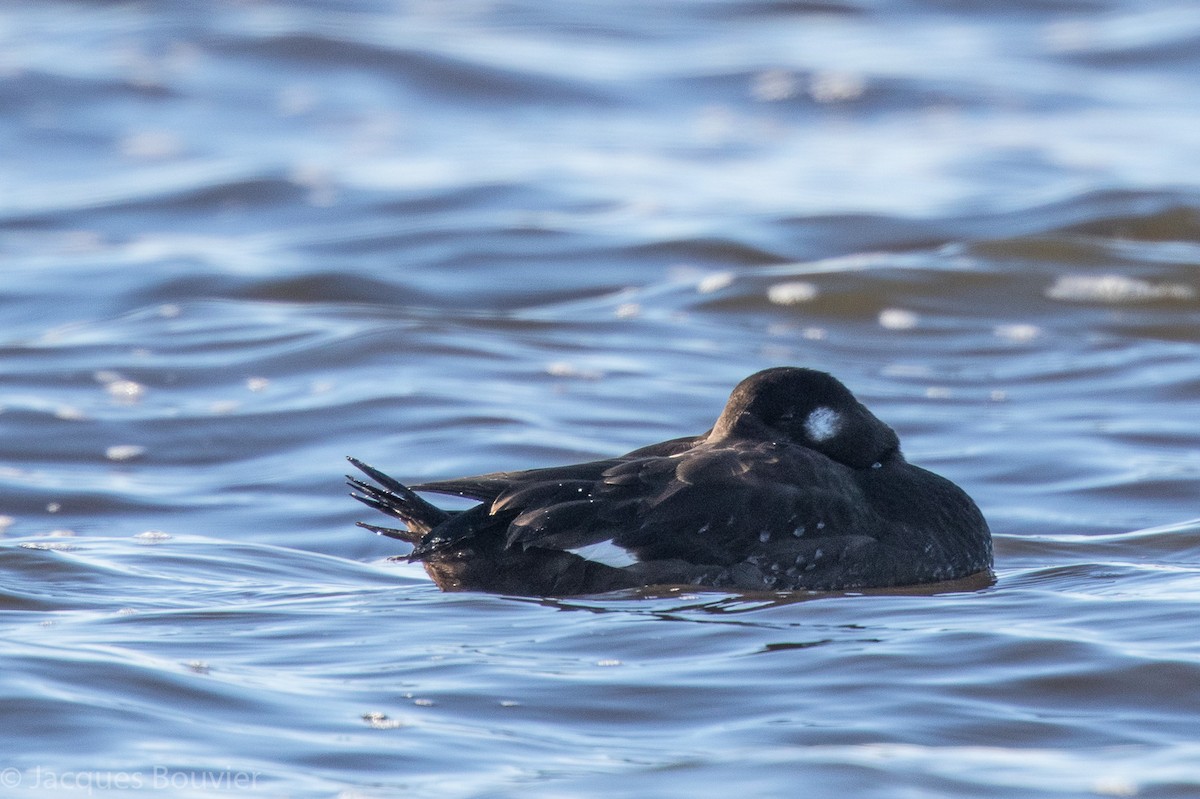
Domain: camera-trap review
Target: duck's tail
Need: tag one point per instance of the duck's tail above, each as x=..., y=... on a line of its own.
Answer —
x=396, y=500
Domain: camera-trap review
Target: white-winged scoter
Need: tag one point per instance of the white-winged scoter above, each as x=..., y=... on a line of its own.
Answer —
x=796, y=487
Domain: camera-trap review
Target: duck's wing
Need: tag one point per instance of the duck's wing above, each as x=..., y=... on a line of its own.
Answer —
x=490, y=487
x=505, y=497
x=712, y=505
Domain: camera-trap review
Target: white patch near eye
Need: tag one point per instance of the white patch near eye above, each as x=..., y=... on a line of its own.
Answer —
x=608, y=553
x=823, y=424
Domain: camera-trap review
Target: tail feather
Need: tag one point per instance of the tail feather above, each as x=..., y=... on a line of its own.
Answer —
x=408, y=536
x=396, y=500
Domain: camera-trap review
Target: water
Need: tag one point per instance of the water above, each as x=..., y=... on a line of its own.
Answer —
x=238, y=245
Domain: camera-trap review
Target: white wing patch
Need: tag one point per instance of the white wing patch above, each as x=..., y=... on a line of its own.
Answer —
x=608, y=553
x=823, y=423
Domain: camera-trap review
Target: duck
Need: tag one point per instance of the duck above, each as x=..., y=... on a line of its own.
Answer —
x=796, y=487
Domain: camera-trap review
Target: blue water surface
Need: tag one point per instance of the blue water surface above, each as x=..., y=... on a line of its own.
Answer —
x=241, y=240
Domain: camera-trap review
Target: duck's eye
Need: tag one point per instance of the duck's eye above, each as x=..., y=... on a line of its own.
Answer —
x=823, y=423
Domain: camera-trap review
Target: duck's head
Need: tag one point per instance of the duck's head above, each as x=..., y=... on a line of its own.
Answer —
x=809, y=408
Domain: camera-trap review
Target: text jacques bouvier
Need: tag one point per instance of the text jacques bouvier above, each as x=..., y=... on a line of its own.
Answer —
x=158, y=778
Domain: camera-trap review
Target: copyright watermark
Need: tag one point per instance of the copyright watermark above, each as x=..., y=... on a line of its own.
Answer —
x=157, y=778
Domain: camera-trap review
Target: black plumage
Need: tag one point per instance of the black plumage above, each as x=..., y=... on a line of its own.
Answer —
x=796, y=486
